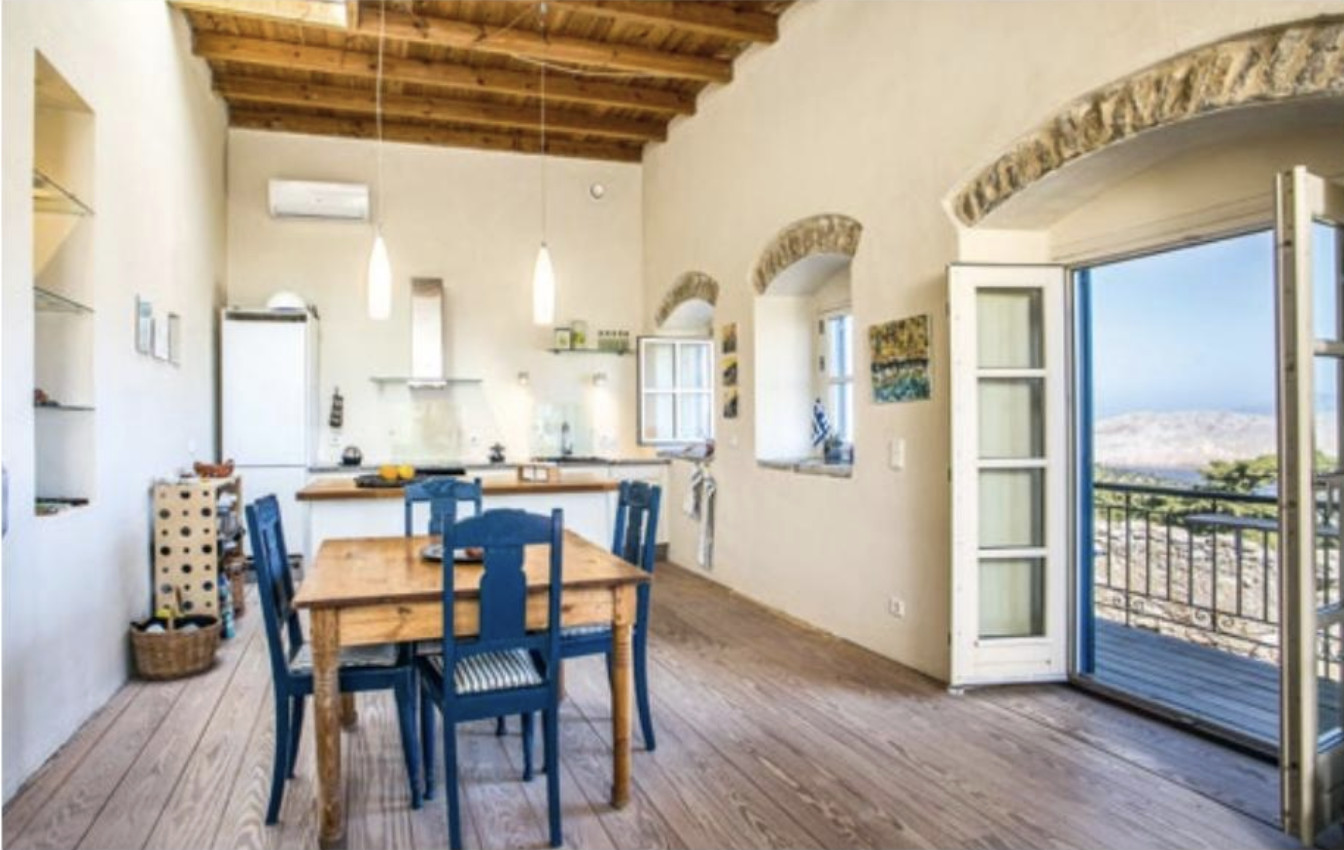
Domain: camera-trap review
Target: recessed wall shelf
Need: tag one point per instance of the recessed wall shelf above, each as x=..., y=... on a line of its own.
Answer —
x=51, y=197
x=46, y=301
x=68, y=407
x=611, y=351
x=426, y=383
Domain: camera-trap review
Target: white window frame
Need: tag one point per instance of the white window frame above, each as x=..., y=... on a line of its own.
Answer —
x=843, y=421
x=677, y=390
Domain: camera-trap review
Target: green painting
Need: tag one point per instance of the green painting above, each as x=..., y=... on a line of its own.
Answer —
x=899, y=354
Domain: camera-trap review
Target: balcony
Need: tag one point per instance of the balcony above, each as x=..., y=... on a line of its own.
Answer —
x=1186, y=603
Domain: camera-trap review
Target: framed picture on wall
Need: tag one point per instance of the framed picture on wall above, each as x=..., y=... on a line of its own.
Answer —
x=160, y=336
x=144, y=326
x=175, y=339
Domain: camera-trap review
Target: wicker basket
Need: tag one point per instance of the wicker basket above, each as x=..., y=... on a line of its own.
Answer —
x=174, y=654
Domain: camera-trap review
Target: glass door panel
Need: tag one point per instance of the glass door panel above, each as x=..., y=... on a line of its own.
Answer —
x=1012, y=415
x=1009, y=329
x=1011, y=505
x=1012, y=594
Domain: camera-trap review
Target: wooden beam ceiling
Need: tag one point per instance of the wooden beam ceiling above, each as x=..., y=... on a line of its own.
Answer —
x=691, y=15
x=443, y=32
x=353, y=63
x=467, y=73
x=365, y=128
x=251, y=91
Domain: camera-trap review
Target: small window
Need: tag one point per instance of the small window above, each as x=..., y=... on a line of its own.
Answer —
x=676, y=390
x=835, y=366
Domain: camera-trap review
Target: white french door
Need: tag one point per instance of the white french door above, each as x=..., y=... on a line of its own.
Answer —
x=1309, y=240
x=1010, y=502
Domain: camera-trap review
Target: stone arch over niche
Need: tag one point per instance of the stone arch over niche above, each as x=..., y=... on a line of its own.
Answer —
x=689, y=286
x=1295, y=62
x=827, y=234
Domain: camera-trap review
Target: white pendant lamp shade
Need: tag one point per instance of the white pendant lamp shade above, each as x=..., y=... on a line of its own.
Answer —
x=380, y=280
x=543, y=288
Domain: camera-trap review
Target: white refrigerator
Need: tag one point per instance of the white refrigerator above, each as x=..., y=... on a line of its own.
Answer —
x=269, y=408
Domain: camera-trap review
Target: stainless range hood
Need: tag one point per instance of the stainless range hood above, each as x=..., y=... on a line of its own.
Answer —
x=427, y=351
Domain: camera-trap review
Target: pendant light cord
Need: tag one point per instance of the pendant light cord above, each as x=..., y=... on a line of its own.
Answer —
x=543, y=131
x=378, y=108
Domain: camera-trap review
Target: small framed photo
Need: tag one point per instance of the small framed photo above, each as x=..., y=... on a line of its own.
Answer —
x=175, y=339
x=160, y=337
x=144, y=326
x=564, y=338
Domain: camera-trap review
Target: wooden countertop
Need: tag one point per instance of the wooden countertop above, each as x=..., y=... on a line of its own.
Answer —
x=336, y=489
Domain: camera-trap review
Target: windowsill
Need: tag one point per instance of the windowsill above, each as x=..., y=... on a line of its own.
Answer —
x=810, y=466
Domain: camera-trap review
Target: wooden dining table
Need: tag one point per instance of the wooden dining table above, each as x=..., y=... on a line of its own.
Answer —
x=373, y=590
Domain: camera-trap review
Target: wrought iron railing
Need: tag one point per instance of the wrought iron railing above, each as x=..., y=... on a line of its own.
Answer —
x=1201, y=566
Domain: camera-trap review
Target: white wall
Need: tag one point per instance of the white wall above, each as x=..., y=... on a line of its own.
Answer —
x=473, y=219
x=921, y=96
x=72, y=582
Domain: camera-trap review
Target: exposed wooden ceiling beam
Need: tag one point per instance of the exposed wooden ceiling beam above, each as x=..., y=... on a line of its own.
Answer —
x=291, y=11
x=274, y=54
x=445, y=32
x=251, y=90
x=364, y=128
x=704, y=18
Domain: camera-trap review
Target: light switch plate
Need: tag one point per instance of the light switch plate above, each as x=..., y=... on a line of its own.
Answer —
x=896, y=453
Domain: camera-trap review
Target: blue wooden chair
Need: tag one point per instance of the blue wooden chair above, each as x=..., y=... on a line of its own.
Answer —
x=365, y=668
x=506, y=669
x=443, y=496
x=636, y=541
x=439, y=492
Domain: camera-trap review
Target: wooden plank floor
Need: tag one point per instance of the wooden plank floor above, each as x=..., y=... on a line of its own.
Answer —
x=1224, y=692
x=769, y=735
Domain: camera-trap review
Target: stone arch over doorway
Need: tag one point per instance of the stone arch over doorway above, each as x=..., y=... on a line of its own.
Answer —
x=1295, y=62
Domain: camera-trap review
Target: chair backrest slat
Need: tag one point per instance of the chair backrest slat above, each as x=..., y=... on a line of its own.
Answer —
x=636, y=536
x=442, y=494
x=275, y=586
x=504, y=536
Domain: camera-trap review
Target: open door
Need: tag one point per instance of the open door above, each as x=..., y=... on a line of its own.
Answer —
x=1009, y=474
x=1310, y=292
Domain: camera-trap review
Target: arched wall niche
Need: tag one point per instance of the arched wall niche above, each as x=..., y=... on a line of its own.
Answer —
x=1291, y=72
x=801, y=277
x=689, y=305
x=829, y=235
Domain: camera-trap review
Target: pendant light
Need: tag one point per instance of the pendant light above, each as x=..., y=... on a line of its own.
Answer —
x=380, y=265
x=543, y=273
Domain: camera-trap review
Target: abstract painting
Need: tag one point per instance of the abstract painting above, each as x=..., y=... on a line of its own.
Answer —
x=899, y=353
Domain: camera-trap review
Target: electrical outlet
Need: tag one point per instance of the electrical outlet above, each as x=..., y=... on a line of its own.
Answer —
x=896, y=607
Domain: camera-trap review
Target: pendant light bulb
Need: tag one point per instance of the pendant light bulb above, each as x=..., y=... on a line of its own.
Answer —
x=380, y=280
x=543, y=288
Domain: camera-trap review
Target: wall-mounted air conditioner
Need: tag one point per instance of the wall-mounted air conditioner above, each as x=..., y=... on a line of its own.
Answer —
x=309, y=199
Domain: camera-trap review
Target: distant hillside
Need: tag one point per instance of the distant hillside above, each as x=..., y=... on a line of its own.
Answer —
x=1190, y=439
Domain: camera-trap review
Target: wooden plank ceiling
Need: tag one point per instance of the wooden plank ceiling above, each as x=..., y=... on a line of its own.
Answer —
x=466, y=73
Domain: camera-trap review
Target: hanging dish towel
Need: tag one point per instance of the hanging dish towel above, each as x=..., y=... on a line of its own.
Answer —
x=706, y=498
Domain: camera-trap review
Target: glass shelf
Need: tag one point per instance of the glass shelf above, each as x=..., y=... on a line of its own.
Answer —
x=613, y=352
x=51, y=197
x=46, y=301
x=67, y=407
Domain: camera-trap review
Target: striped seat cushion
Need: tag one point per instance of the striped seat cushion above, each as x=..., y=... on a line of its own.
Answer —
x=585, y=631
x=382, y=655
x=493, y=671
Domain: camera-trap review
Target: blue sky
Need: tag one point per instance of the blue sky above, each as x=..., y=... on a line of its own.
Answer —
x=1191, y=329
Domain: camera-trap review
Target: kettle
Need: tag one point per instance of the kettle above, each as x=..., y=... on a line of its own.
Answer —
x=352, y=456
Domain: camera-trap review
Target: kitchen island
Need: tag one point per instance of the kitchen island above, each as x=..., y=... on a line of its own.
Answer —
x=338, y=507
